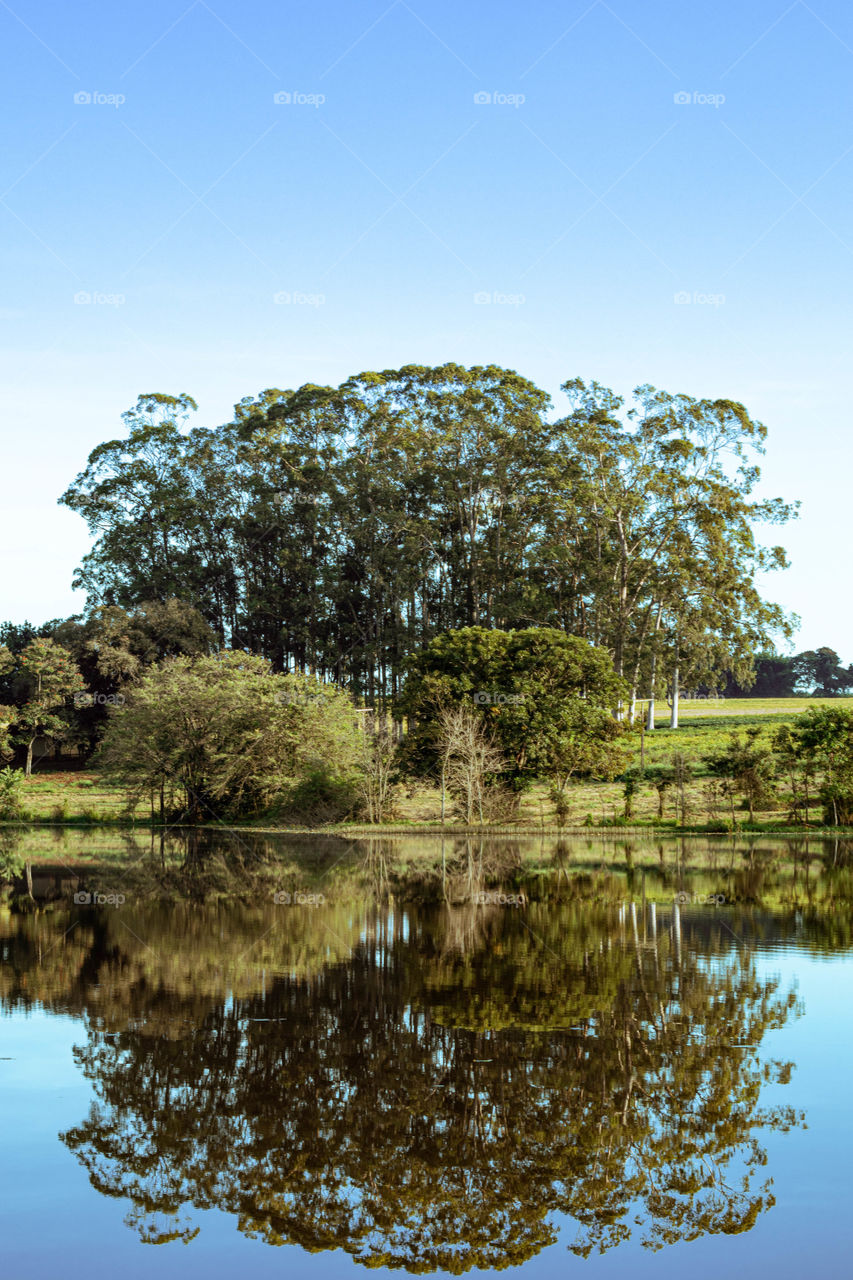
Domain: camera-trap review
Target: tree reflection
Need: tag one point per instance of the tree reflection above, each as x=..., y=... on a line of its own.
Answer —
x=433, y=1090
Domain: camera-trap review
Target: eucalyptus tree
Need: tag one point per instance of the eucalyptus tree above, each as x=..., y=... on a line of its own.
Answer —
x=336, y=530
x=134, y=496
x=450, y=461
x=658, y=506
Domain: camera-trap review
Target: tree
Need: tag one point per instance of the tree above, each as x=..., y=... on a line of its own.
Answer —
x=748, y=762
x=336, y=530
x=544, y=695
x=470, y=759
x=14, y=638
x=225, y=735
x=820, y=741
x=652, y=518
x=774, y=677
x=135, y=497
x=820, y=671
x=7, y=665
x=113, y=646
x=46, y=676
x=586, y=742
x=10, y=793
x=378, y=765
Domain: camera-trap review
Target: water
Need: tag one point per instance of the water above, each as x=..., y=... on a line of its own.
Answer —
x=611, y=1056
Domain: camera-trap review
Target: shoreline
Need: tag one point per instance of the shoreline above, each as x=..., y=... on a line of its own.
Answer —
x=433, y=829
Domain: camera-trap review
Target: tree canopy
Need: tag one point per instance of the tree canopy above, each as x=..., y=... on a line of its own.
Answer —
x=546, y=696
x=336, y=530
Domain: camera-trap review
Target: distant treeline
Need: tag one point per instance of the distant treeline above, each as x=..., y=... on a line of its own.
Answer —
x=337, y=530
x=815, y=671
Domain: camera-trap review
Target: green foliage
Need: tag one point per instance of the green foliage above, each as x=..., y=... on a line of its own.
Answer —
x=321, y=797
x=11, y=784
x=339, y=529
x=773, y=676
x=225, y=735
x=112, y=646
x=547, y=698
x=820, y=743
x=815, y=671
x=820, y=671
x=748, y=763
x=45, y=677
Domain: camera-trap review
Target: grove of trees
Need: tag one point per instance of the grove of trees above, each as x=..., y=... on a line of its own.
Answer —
x=337, y=530
x=433, y=543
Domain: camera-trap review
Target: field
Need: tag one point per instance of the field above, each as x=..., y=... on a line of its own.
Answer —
x=83, y=796
x=61, y=795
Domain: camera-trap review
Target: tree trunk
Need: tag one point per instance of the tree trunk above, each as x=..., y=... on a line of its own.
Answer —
x=650, y=719
x=673, y=717
x=29, y=768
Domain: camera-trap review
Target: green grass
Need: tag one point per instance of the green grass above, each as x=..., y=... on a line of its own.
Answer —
x=737, y=708
x=74, y=796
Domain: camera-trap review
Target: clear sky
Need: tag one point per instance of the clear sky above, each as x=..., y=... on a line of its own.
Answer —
x=629, y=153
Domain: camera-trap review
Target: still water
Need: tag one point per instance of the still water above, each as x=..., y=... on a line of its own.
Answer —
x=612, y=1058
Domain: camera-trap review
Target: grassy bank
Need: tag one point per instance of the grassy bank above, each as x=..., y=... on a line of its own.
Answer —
x=83, y=797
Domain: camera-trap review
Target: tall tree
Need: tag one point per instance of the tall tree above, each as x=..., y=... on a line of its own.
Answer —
x=47, y=677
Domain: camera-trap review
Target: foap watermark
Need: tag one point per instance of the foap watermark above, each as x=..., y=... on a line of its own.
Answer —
x=281, y=496
x=712, y=699
x=283, y=898
x=99, y=699
x=294, y=298
x=85, y=99
x=83, y=298
x=697, y=99
x=685, y=298
x=496, y=99
x=84, y=898
x=300, y=697
x=700, y=899
x=495, y=698
x=495, y=898
x=495, y=298
x=293, y=98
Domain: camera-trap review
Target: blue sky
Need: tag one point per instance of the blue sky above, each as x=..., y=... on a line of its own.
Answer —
x=661, y=150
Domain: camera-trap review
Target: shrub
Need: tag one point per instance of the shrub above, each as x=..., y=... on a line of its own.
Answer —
x=11, y=784
x=320, y=797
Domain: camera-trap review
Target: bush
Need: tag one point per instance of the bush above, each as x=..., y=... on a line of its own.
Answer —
x=225, y=736
x=561, y=805
x=321, y=798
x=11, y=785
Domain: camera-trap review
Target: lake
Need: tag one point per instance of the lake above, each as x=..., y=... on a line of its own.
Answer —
x=223, y=1052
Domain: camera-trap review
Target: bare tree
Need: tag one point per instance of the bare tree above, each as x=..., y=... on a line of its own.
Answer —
x=468, y=759
x=378, y=762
